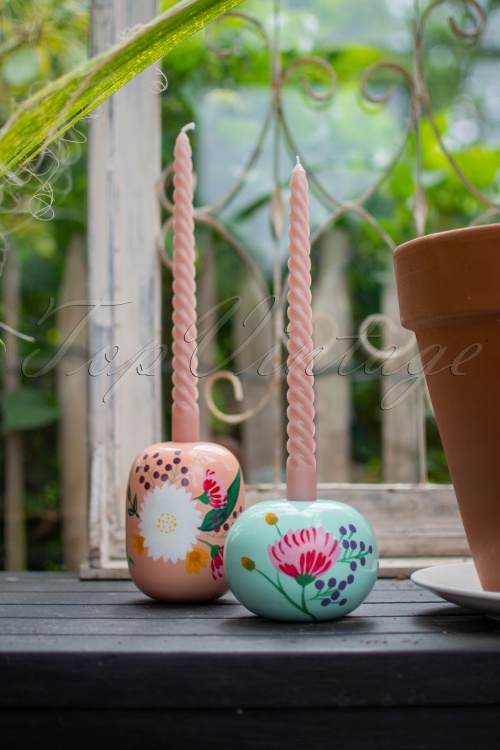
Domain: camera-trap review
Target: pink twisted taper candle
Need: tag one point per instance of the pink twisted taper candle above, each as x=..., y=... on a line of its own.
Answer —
x=301, y=464
x=185, y=411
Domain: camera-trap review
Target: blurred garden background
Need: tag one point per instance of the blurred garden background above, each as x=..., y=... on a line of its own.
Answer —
x=394, y=110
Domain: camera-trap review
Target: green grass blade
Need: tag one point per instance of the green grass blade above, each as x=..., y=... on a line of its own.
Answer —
x=61, y=103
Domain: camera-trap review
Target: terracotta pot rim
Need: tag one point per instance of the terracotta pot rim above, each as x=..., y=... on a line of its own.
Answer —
x=449, y=277
x=483, y=231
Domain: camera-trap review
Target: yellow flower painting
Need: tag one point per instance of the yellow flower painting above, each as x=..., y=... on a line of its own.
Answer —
x=195, y=560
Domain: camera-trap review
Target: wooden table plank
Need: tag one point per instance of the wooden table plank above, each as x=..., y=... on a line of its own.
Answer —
x=65, y=598
x=97, y=664
x=148, y=610
x=200, y=645
x=39, y=581
x=460, y=623
x=413, y=728
x=373, y=675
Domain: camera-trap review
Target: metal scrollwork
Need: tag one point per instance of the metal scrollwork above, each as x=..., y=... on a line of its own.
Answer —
x=476, y=11
x=248, y=20
x=471, y=35
x=318, y=81
x=390, y=351
x=238, y=394
x=383, y=98
x=315, y=96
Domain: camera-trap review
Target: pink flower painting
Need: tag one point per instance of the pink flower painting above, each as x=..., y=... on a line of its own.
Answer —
x=214, y=487
x=217, y=564
x=305, y=554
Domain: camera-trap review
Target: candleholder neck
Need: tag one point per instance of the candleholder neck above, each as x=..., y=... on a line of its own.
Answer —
x=301, y=480
x=185, y=423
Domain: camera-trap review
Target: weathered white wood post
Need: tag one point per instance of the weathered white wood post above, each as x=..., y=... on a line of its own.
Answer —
x=15, y=520
x=258, y=431
x=333, y=392
x=400, y=424
x=72, y=399
x=124, y=320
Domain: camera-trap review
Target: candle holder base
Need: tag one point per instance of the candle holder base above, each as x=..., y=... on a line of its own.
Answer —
x=182, y=499
x=301, y=561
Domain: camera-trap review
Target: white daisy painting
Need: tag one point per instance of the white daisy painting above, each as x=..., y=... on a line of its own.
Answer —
x=169, y=523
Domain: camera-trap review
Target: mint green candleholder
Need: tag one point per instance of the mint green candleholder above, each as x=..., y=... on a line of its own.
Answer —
x=301, y=561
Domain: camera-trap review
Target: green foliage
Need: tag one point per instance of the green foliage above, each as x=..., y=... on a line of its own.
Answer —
x=27, y=409
x=38, y=41
x=53, y=109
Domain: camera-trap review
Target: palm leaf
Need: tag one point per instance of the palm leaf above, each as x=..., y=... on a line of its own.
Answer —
x=60, y=104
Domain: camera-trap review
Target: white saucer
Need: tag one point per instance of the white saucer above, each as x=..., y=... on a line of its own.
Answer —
x=460, y=585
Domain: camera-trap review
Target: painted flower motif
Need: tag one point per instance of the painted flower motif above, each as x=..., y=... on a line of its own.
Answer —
x=248, y=563
x=217, y=564
x=215, y=489
x=304, y=555
x=196, y=560
x=138, y=544
x=169, y=523
x=271, y=519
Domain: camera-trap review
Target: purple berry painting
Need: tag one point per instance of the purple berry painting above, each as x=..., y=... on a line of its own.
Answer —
x=183, y=495
x=181, y=502
x=281, y=568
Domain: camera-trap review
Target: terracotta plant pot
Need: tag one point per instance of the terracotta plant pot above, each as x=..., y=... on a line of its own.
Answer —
x=449, y=295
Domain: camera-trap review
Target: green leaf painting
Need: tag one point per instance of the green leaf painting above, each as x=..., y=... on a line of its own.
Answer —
x=218, y=516
x=132, y=511
x=53, y=109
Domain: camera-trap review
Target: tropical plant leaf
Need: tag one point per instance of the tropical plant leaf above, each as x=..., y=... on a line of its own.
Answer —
x=26, y=408
x=60, y=104
x=218, y=516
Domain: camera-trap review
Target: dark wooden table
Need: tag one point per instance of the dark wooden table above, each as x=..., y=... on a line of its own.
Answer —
x=98, y=665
